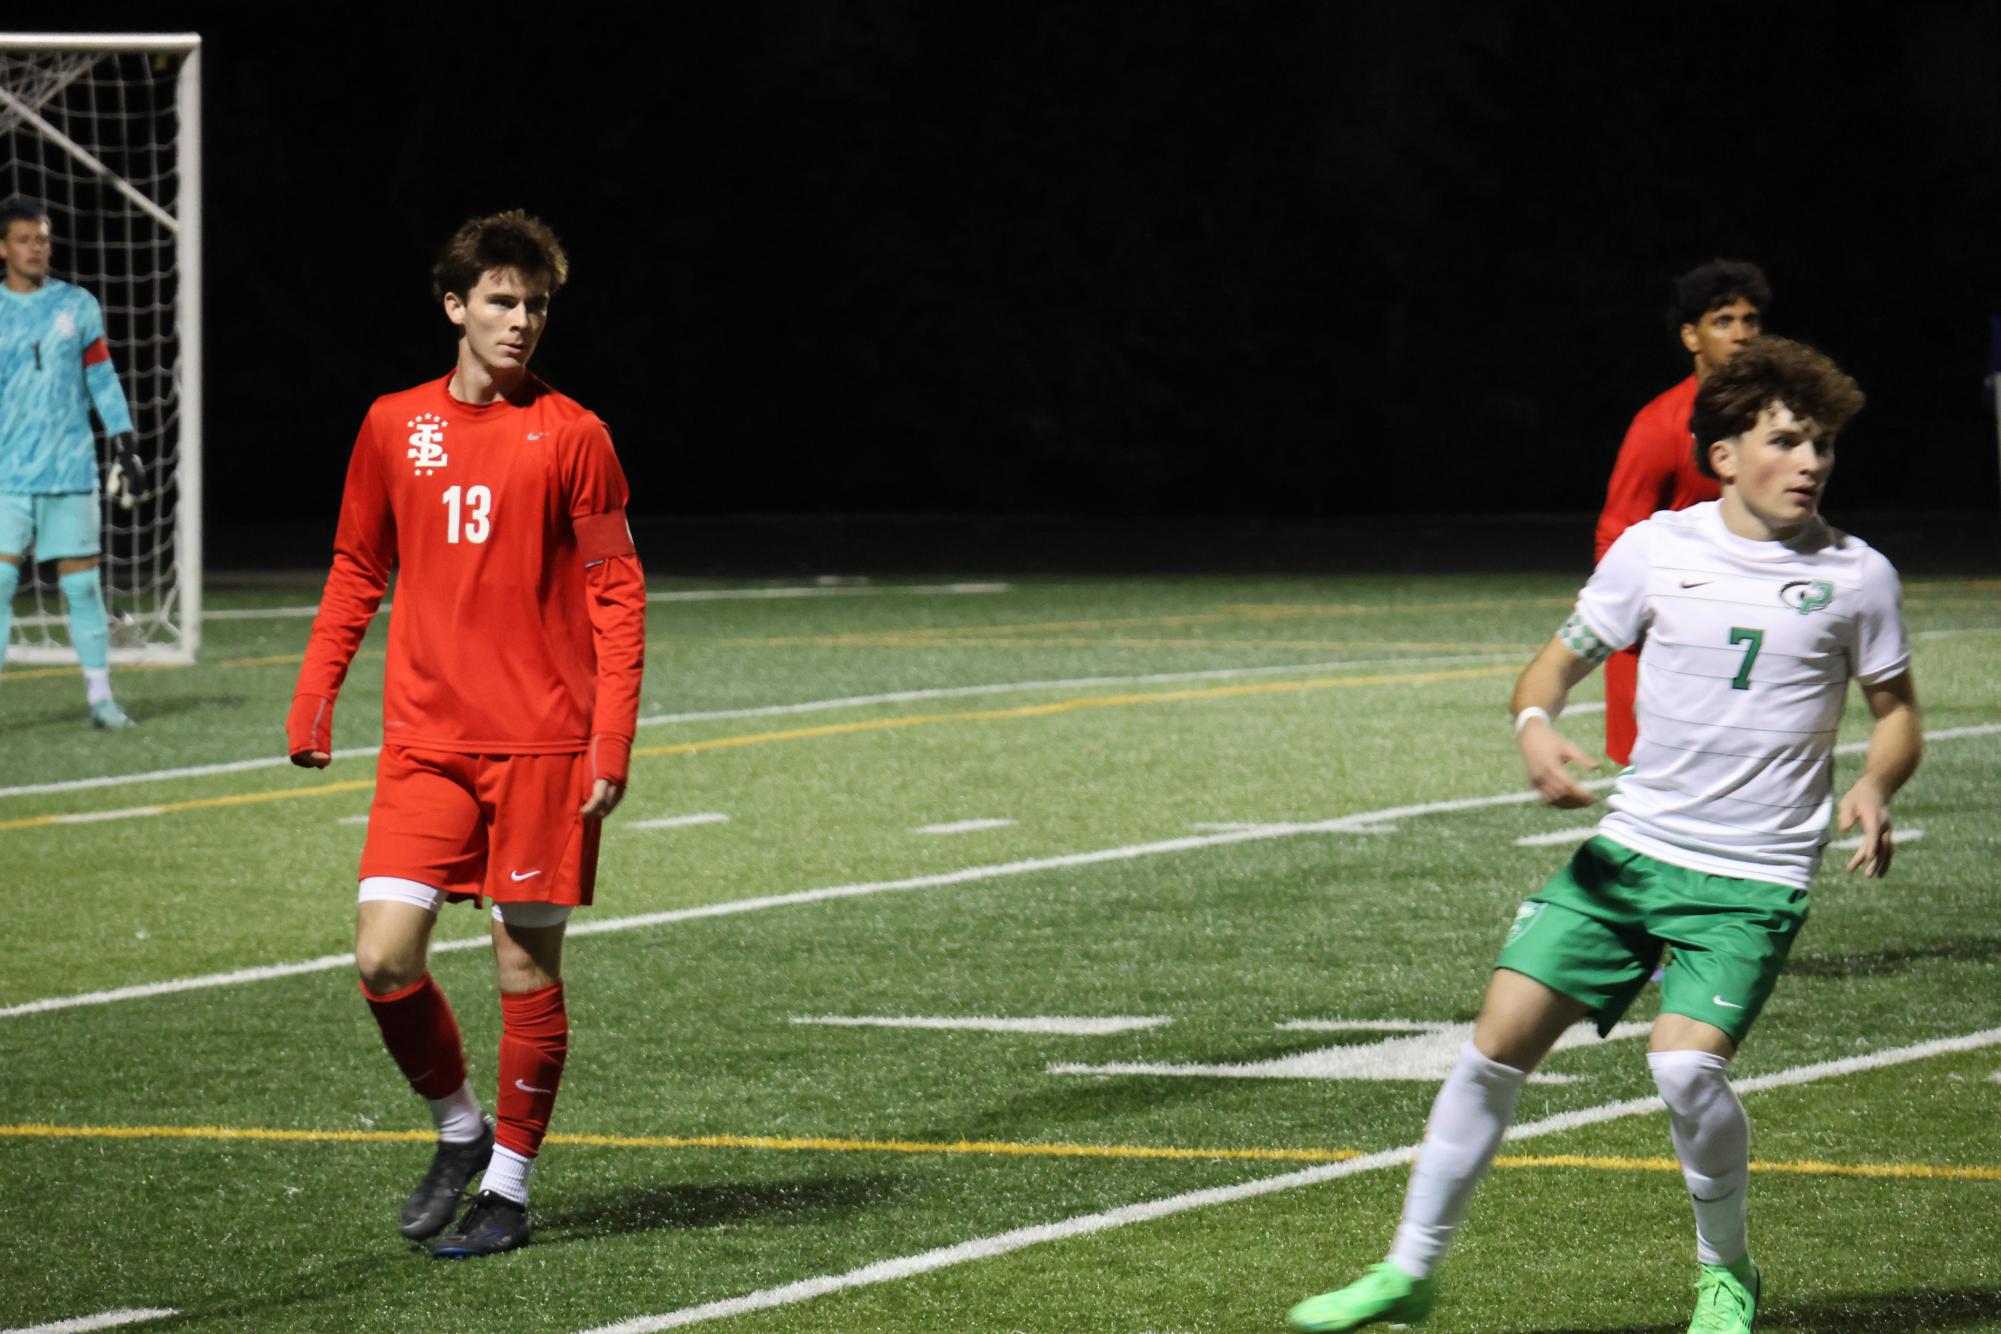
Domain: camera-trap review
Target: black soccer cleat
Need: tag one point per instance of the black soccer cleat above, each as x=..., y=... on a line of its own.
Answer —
x=432, y=1204
x=492, y=1224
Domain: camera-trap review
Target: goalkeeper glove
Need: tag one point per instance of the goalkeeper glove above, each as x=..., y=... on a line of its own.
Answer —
x=125, y=479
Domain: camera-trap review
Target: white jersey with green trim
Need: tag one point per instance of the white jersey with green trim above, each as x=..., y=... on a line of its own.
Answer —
x=1748, y=650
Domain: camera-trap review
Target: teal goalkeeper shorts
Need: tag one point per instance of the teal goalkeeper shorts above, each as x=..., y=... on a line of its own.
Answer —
x=1596, y=930
x=58, y=526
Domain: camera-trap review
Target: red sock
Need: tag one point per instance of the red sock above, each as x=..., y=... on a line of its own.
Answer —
x=422, y=1033
x=534, y=1037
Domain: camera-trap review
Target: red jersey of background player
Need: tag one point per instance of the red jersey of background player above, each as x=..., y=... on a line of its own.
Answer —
x=1655, y=469
x=473, y=501
x=1717, y=307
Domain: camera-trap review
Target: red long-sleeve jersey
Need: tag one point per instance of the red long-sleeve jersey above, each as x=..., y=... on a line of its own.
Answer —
x=1656, y=468
x=518, y=625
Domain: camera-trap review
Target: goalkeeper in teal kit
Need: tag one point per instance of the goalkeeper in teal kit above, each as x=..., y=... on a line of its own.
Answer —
x=54, y=368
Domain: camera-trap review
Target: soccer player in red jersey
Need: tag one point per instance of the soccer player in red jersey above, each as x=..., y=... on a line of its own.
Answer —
x=1717, y=308
x=515, y=649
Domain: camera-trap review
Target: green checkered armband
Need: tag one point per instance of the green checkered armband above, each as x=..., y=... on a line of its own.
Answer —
x=1582, y=640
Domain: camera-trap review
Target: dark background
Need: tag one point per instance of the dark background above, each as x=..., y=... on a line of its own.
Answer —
x=1166, y=261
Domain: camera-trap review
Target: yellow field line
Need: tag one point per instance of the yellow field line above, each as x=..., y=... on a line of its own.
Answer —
x=773, y=1143
x=1804, y=1167
x=1249, y=611
x=269, y=660
x=204, y=803
x=1068, y=706
x=764, y=1142
x=806, y=733
x=902, y=640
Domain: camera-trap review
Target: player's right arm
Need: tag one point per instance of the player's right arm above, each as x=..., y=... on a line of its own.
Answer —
x=1611, y=613
x=1540, y=694
x=364, y=552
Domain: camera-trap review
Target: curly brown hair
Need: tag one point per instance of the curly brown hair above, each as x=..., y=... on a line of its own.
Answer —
x=510, y=240
x=1770, y=370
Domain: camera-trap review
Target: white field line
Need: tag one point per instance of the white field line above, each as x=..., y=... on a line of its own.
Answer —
x=986, y=1248
x=1589, y=706
x=805, y=706
x=731, y=908
x=306, y=612
x=1898, y=836
x=963, y=826
x=1364, y=821
x=108, y=1320
x=681, y=821
x=1556, y=839
x=1080, y=1026
x=1956, y=634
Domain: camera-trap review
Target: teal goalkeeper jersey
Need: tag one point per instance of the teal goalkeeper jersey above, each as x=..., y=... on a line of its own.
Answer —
x=54, y=366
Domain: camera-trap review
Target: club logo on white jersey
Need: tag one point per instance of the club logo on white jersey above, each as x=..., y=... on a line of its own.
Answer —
x=427, y=443
x=1807, y=596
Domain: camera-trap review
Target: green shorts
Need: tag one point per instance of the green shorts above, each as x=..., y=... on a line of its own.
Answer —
x=1596, y=930
x=58, y=526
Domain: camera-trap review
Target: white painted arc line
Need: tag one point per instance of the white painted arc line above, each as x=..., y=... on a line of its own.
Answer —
x=107, y=1320
x=1588, y=706
x=806, y=706
x=1057, y=1025
x=985, y=1248
x=963, y=826
x=1556, y=839
x=681, y=821
x=1898, y=836
x=1342, y=824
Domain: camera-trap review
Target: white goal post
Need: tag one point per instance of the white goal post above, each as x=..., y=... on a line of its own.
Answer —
x=105, y=131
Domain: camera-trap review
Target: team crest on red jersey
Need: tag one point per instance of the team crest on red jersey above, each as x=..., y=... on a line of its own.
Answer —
x=427, y=443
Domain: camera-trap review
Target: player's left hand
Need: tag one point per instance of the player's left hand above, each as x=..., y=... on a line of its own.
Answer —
x=125, y=479
x=604, y=799
x=1865, y=803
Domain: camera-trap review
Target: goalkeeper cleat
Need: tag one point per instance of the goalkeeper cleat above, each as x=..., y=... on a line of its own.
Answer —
x=492, y=1224
x=106, y=716
x=1384, y=1295
x=431, y=1205
x=1726, y=1298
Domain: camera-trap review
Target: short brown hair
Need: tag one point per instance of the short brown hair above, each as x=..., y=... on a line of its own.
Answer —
x=510, y=240
x=1769, y=370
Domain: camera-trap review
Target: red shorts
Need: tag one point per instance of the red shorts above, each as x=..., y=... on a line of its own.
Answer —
x=502, y=826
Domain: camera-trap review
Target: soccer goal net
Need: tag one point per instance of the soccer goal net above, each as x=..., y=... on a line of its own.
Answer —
x=105, y=131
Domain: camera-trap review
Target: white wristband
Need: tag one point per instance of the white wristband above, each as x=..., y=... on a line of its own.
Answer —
x=1532, y=711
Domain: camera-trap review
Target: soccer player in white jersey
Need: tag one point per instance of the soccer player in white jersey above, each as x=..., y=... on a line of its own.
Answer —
x=1755, y=614
x=55, y=366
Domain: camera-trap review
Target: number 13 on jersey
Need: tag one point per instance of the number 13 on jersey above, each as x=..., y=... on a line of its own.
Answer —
x=470, y=517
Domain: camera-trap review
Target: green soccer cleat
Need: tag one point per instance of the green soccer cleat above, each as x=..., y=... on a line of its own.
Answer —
x=1385, y=1294
x=1724, y=1302
x=106, y=716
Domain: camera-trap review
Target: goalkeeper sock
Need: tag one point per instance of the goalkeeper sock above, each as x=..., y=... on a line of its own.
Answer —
x=534, y=1040
x=89, y=632
x=10, y=581
x=422, y=1034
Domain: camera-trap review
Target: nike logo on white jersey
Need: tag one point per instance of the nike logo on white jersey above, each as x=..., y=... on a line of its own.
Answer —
x=523, y=875
x=1725, y=1004
x=530, y=1088
x=1696, y=583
